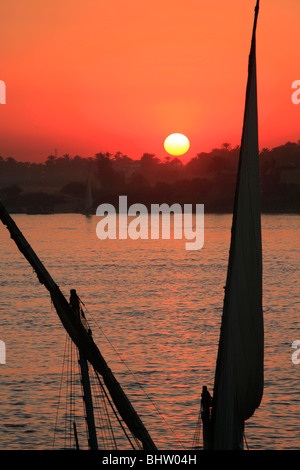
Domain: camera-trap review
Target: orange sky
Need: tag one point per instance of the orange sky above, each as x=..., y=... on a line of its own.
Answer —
x=120, y=75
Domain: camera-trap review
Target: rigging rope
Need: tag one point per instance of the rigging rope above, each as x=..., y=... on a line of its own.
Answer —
x=60, y=391
x=134, y=376
x=104, y=409
x=116, y=414
x=68, y=379
x=246, y=441
x=103, y=413
x=105, y=427
x=197, y=434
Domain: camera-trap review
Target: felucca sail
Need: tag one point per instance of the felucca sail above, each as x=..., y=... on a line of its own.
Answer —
x=238, y=384
x=88, y=202
x=80, y=336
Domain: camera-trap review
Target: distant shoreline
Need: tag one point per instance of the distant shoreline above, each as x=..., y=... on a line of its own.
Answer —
x=211, y=212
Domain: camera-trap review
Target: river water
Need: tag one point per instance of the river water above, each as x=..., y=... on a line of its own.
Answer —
x=158, y=307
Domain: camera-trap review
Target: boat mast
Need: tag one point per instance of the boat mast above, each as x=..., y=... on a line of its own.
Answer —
x=238, y=386
x=88, y=202
x=88, y=402
x=79, y=335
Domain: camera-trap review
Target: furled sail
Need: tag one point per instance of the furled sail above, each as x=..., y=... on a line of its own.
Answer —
x=80, y=335
x=238, y=384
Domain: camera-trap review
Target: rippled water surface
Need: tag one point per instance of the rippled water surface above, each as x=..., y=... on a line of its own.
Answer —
x=160, y=307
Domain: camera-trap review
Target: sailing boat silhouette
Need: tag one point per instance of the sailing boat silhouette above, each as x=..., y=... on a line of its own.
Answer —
x=238, y=386
x=88, y=198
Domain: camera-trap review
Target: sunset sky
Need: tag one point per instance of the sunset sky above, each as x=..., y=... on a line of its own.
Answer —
x=89, y=76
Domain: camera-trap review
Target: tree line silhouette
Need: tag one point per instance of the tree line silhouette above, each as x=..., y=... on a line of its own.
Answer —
x=59, y=184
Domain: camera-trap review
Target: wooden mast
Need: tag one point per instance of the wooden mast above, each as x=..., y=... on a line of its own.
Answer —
x=82, y=339
x=88, y=402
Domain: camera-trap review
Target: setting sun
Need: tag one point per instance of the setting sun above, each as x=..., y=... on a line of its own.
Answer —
x=176, y=144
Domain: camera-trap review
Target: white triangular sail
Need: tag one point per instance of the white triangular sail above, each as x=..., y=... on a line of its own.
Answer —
x=88, y=202
x=238, y=385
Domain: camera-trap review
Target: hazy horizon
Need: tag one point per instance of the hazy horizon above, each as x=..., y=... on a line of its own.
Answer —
x=150, y=70
x=164, y=155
